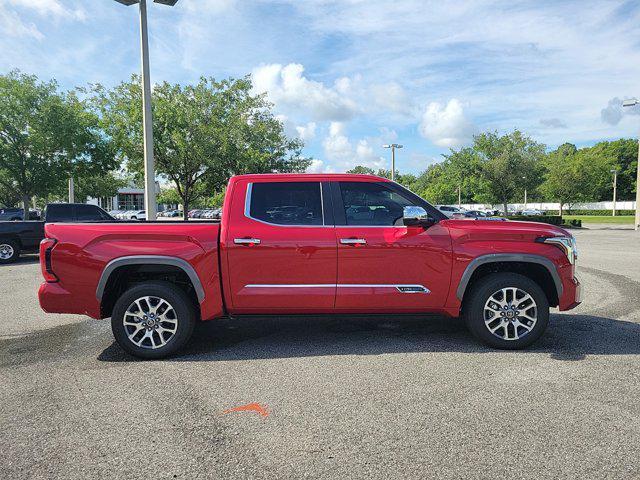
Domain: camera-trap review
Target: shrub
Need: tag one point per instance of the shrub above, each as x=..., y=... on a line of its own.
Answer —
x=591, y=212
x=551, y=219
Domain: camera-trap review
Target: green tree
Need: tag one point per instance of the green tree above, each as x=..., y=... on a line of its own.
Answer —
x=203, y=133
x=508, y=164
x=565, y=180
x=359, y=169
x=45, y=136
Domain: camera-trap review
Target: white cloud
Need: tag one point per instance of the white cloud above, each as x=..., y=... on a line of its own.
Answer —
x=289, y=89
x=344, y=155
x=317, y=166
x=391, y=96
x=446, y=126
x=306, y=132
x=11, y=25
x=50, y=8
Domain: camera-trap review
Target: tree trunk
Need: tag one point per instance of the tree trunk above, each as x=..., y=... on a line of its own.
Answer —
x=560, y=209
x=26, y=200
x=506, y=212
x=185, y=209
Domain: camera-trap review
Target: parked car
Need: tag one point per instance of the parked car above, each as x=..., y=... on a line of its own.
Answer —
x=14, y=214
x=21, y=236
x=450, y=211
x=475, y=214
x=138, y=215
x=155, y=281
x=531, y=212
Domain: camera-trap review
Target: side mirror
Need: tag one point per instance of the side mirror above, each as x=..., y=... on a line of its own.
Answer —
x=413, y=216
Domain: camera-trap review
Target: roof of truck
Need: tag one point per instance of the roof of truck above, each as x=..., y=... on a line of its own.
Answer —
x=355, y=177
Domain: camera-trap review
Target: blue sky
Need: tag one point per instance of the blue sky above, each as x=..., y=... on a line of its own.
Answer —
x=348, y=76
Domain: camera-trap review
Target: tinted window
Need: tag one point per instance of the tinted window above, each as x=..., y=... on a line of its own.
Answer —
x=287, y=203
x=60, y=213
x=372, y=204
x=91, y=213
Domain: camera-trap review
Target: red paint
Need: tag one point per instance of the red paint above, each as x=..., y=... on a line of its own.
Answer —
x=435, y=257
x=250, y=407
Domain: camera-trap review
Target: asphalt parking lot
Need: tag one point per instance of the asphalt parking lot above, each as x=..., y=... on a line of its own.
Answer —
x=343, y=398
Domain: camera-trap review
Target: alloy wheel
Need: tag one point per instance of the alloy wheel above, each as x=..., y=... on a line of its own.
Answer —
x=510, y=313
x=150, y=322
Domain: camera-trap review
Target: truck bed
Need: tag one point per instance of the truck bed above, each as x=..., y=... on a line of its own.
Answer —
x=83, y=251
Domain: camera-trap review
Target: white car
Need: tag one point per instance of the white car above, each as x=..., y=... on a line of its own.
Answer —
x=532, y=212
x=451, y=211
x=138, y=215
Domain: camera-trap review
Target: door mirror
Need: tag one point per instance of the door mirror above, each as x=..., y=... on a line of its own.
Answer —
x=416, y=216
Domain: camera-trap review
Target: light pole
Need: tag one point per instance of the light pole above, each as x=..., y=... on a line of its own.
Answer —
x=71, y=190
x=393, y=147
x=631, y=103
x=615, y=187
x=147, y=119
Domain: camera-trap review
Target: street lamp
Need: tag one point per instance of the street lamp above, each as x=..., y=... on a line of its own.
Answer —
x=615, y=187
x=393, y=147
x=631, y=103
x=150, y=205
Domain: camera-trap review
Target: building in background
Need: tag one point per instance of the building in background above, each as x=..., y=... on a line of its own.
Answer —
x=127, y=198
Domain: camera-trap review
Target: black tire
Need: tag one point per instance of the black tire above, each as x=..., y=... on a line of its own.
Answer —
x=185, y=314
x=10, y=247
x=483, y=290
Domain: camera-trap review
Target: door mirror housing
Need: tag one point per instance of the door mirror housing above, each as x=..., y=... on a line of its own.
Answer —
x=414, y=216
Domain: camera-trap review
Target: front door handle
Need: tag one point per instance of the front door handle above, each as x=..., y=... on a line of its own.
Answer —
x=246, y=241
x=353, y=241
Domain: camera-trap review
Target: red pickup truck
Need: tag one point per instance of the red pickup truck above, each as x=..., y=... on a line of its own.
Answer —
x=309, y=244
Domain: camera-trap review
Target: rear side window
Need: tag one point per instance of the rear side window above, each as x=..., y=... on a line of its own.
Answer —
x=60, y=213
x=91, y=213
x=286, y=203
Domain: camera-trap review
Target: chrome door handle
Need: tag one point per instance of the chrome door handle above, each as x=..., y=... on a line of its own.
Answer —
x=246, y=241
x=353, y=241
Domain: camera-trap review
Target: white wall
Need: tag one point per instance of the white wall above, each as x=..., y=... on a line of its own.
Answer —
x=555, y=206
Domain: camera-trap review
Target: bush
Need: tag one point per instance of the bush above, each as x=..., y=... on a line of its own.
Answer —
x=551, y=219
x=591, y=212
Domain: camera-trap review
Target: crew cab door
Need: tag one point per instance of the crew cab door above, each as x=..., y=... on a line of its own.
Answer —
x=280, y=248
x=384, y=266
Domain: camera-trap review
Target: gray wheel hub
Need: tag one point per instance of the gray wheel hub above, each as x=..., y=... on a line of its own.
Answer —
x=6, y=251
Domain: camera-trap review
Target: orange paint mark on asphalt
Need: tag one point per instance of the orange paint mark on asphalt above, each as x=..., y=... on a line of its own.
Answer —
x=250, y=407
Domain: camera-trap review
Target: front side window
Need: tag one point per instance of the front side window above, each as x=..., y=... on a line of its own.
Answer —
x=286, y=203
x=372, y=204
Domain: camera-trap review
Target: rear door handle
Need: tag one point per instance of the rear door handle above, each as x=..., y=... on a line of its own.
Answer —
x=353, y=241
x=246, y=241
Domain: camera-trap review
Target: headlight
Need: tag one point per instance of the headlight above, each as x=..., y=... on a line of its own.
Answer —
x=566, y=244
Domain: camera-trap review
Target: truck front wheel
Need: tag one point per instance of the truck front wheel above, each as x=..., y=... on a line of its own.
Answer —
x=153, y=320
x=506, y=310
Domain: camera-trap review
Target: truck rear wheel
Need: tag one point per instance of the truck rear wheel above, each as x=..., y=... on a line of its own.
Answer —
x=9, y=251
x=507, y=310
x=153, y=320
